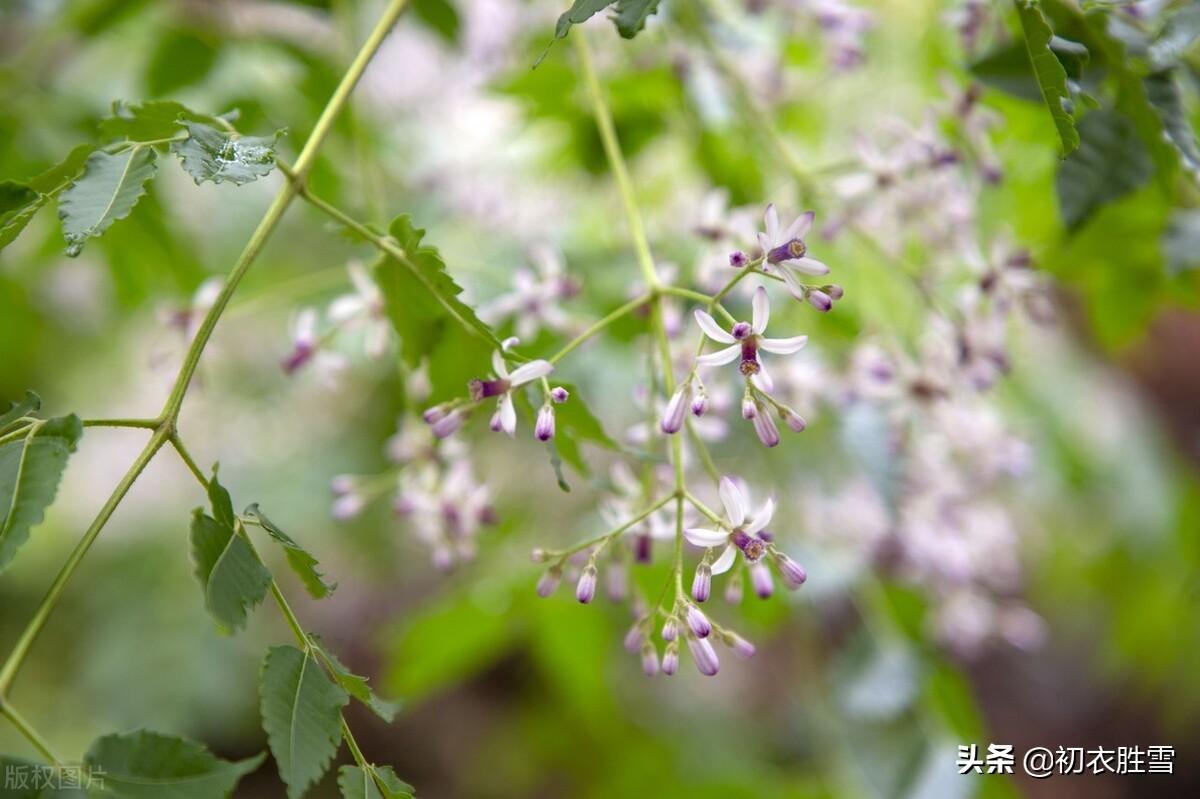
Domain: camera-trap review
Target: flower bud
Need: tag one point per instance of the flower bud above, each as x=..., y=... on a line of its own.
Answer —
x=635, y=637
x=702, y=583
x=449, y=424
x=700, y=403
x=698, y=622
x=641, y=548
x=834, y=291
x=768, y=433
x=670, y=630
x=672, y=420
x=733, y=589
x=793, y=420
x=342, y=484
x=670, y=661
x=740, y=646
x=793, y=573
x=539, y=555
x=348, y=506
x=585, y=589
x=760, y=577
x=738, y=259
x=548, y=584
x=495, y=424
x=819, y=300
x=649, y=660
x=616, y=582
x=704, y=655
x=559, y=394
x=434, y=414
x=749, y=408
x=544, y=429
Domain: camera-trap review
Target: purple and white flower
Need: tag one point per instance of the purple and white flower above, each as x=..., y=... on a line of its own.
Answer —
x=785, y=251
x=745, y=340
x=740, y=531
x=503, y=384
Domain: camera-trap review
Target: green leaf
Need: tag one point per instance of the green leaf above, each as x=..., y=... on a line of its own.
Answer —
x=148, y=765
x=1048, y=71
x=111, y=184
x=181, y=58
x=574, y=424
x=357, y=783
x=302, y=716
x=440, y=16
x=632, y=14
x=233, y=578
x=154, y=120
x=1111, y=162
x=580, y=11
x=1180, y=33
x=301, y=561
x=1162, y=92
x=355, y=685
x=20, y=201
x=217, y=155
x=30, y=403
x=24, y=779
x=31, y=467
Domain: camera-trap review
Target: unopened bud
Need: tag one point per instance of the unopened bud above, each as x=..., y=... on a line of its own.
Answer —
x=740, y=646
x=448, y=424
x=585, y=589
x=559, y=394
x=700, y=403
x=548, y=584
x=539, y=555
x=670, y=661
x=733, y=589
x=670, y=630
x=793, y=420
x=672, y=420
x=704, y=655
x=835, y=291
x=544, y=429
x=793, y=573
x=819, y=300
x=760, y=576
x=698, y=622
x=738, y=259
x=765, y=427
x=702, y=583
x=649, y=660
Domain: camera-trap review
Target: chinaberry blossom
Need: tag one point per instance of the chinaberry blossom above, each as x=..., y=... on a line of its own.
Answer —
x=535, y=301
x=363, y=308
x=502, y=386
x=745, y=340
x=785, y=252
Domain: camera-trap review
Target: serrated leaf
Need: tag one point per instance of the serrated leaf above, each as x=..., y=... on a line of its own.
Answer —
x=358, y=783
x=1162, y=92
x=234, y=580
x=149, y=765
x=631, y=16
x=355, y=685
x=580, y=11
x=218, y=155
x=302, y=715
x=299, y=559
x=31, y=468
x=111, y=184
x=24, y=779
x=154, y=120
x=19, y=202
x=1048, y=71
x=1111, y=161
x=29, y=404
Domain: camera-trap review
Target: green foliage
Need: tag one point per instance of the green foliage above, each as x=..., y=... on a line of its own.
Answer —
x=1049, y=72
x=355, y=685
x=574, y=424
x=32, y=462
x=1110, y=163
x=300, y=559
x=301, y=714
x=111, y=184
x=151, y=121
x=376, y=782
x=29, y=404
x=31, y=780
x=214, y=155
x=579, y=12
x=1162, y=91
x=631, y=16
x=231, y=575
x=433, y=323
x=440, y=15
x=181, y=58
x=148, y=765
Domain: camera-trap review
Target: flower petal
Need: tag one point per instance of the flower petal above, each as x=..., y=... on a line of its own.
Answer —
x=498, y=365
x=702, y=537
x=508, y=415
x=762, y=310
x=734, y=502
x=793, y=283
x=783, y=346
x=725, y=562
x=809, y=266
x=771, y=220
x=798, y=228
x=762, y=379
x=530, y=371
x=712, y=329
x=762, y=518
x=720, y=357
x=763, y=242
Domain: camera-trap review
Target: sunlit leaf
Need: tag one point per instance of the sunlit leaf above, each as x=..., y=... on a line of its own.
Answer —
x=215, y=155
x=355, y=685
x=1049, y=72
x=148, y=765
x=302, y=716
x=301, y=561
x=31, y=466
x=1111, y=161
x=111, y=184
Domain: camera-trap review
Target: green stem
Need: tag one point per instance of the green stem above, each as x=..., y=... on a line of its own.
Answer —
x=29, y=733
x=165, y=428
x=596, y=327
x=566, y=553
x=697, y=296
x=145, y=424
x=705, y=456
x=707, y=511
x=188, y=460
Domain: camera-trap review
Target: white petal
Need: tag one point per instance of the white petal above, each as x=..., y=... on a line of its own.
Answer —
x=793, y=283
x=783, y=346
x=763, y=378
x=705, y=538
x=720, y=357
x=762, y=310
x=764, y=242
x=508, y=415
x=725, y=562
x=346, y=307
x=734, y=502
x=809, y=266
x=304, y=331
x=530, y=371
x=798, y=228
x=498, y=365
x=771, y=219
x=712, y=329
x=509, y=343
x=763, y=518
